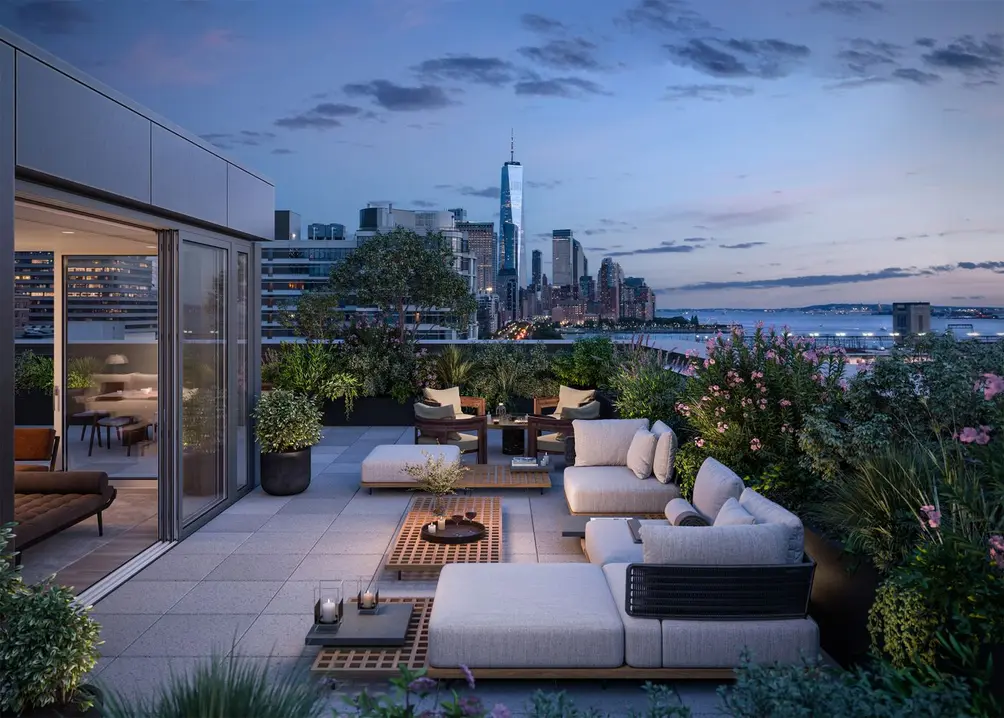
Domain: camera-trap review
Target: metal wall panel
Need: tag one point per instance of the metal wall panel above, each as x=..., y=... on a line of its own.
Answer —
x=187, y=179
x=7, y=283
x=251, y=204
x=72, y=132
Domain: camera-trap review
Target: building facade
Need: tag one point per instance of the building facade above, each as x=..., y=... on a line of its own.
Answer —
x=637, y=300
x=480, y=240
x=326, y=232
x=562, y=258
x=536, y=268
x=911, y=317
x=509, y=252
x=288, y=225
x=608, y=288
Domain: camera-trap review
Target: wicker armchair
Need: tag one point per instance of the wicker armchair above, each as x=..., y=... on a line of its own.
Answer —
x=470, y=434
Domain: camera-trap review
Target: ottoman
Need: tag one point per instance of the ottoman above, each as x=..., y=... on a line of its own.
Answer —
x=384, y=466
x=514, y=615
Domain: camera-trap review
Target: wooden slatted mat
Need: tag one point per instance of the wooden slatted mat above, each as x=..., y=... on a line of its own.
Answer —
x=494, y=476
x=411, y=553
x=381, y=662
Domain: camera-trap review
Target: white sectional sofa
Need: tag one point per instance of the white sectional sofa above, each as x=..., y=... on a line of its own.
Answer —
x=677, y=605
x=601, y=483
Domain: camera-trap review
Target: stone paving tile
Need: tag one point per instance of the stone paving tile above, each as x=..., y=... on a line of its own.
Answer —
x=137, y=596
x=252, y=567
x=218, y=543
x=320, y=567
x=338, y=542
x=181, y=567
x=269, y=542
x=298, y=523
x=315, y=505
x=135, y=678
x=295, y=597
x=241, y=523
x=191, y=635
x=228, y=597
x=118, y=631
x=277, y=635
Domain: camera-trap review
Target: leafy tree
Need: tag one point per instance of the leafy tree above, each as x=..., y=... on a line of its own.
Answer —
x=400, y=269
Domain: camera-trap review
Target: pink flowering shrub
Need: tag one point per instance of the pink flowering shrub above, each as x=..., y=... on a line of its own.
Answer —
x=746, y=403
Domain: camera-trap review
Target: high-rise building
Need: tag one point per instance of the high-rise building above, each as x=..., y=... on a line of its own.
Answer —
x=488, y=314
x=288, y=224
x=509, y=253
x=911, y=317
x=326, y=232
x=480, y=240
x=587, y=288
x=580, y=267
x=637, y=300
x=459, y=214
x=609, y=289
x=536, y=265
x=562, y=258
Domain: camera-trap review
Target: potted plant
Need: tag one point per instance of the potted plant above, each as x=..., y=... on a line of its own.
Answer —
x=287, y=425
x=33, y=382
x=201, y=431
x=437, y=476
x=80, y=373
x=48, y=643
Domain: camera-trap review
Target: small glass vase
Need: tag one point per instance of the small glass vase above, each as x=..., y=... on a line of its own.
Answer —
x=500, y=412
x=438, y=506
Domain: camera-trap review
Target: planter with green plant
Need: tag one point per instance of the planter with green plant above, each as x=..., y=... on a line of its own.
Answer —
x=438, y=476
x=34, y=376
x=511, y=375
x=79, y=381
x=201, y=440
x=48, y=644
x=287, y=424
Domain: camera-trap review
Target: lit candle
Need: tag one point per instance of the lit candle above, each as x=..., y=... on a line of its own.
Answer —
x=432, y=528
x=441, y=524
x=369, y=600
x=329, y=611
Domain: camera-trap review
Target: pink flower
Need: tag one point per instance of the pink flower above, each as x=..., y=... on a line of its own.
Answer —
x=811, y=356
x=932, y=515
x=785, y=402
x=771, y=354
x=755, y=444
x=711, y=362
x=722, y=427
x=992, y=386
x=980, y=436
x=997, y=550
x=699, y=441
x=500, y=711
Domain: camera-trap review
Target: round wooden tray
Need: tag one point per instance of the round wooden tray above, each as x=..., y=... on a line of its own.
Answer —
x=464, y=531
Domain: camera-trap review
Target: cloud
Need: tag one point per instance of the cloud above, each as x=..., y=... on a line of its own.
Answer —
x=824, y=280
x=571, y=54
x=969, y=55
x=539, y=23
x=707, y=92
x=53, y=17
x=324, y=116
x=549, y=184
x=423, y=203
x=282, y=151
x=918, y=76
x=467, y=68
x=697, y=240
x=849, y=8
x=742, y=245
x=736, y=218
x=862, y=56
x=167, y=61
x=925, y=42
x=765, y=59
x=399, y=98
x=468, y=191
x=558, y=87
x=666, y=16
x=667, y=247
x=245, y=138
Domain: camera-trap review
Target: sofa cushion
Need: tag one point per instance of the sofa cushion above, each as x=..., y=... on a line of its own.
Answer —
x=613, y=490
x=609, y=540
x=512, y=615
x=427, y=411
x=718, y=644
x=767, y=512
x=590, y=410
x=385, y=463
x=732, y=514
x=665, y=452
x=757, y=544
x=642, y=636
x=463, y=441
x=679, y=512
x=569, y=397
x=641, y=453
x=715, y=482
x=604, y=442
x=445, y=397
x=551, y=442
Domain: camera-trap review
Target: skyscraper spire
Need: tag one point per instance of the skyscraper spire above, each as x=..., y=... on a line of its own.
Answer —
x=512, y=145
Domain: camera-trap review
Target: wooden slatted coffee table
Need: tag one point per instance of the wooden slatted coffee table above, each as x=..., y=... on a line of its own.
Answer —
x=413, y=555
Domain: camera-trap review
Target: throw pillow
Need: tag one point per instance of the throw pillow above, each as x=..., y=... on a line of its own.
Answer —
x=641, y=453
x=586, y=411
x=679, y=512
x=445, y=411
x=665, y=452
x=732, y=514
x=570, y=397
x=445, y=397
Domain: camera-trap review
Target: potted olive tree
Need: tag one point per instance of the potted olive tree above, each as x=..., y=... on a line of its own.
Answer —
x=287, y=424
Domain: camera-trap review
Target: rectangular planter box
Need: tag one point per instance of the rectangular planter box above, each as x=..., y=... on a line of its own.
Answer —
x=370, y=411
x=33, y=408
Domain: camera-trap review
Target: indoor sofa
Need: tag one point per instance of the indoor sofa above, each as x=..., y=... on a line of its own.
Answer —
x=47, y=502
x=601, y=482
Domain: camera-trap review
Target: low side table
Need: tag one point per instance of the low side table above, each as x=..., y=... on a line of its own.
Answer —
x=387, y=627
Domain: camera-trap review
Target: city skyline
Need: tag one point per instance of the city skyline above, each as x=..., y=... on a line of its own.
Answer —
x=789, y=154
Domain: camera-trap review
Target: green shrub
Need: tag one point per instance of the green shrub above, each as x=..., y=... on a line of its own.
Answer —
x=286, y=421
x=813, y=691
x=224, y=687
x=384, y=363
x=48, y=643
x=202, y=419
x=590, y=364
x=504, y=372
x=33, y=373
x=312, y=369
x=79, y=371
x=645, y=388
x=454, y=367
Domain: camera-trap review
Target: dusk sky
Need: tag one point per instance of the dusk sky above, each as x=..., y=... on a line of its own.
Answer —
x=740, y=154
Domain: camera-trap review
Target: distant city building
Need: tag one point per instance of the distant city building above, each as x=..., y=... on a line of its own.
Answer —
x=288, y=225
x=580, y=265
x=459, y=214
x=536, y=265
x=488, y=314
x=480, y=240
x=572, y=311
x=637, y=300
x=509, y=253
x=609, y=289
x=326, y=232
x=587, y=288
x=562, y=258
x=911, y=317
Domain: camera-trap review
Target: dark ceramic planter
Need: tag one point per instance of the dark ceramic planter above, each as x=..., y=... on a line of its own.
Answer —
x=843, y=591
x=33, y=408
x=69, y=710
x=370, y=411
x=285, y=474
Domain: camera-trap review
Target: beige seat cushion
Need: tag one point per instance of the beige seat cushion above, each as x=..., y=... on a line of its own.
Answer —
x=445, y=397
x=605, y=442
x=718, y=644
x=569, y=397
x=515, y=615
x=642, y=636
x=715, y=483
x=609, y=540
x=767, y=512
x=463, y=441
x=641, y=453
x=614, y=490
x=552, y=442
x=665, y=452
x=386, y=462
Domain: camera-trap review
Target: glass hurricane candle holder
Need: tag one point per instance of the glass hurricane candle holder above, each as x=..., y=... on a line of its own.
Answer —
x=368, y=598
x=329, y=604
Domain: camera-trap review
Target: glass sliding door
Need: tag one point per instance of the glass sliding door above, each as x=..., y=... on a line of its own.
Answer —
x=243, y=371
x=203, y=289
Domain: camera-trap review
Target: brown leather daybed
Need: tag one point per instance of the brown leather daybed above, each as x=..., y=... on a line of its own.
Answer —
x=46, y=502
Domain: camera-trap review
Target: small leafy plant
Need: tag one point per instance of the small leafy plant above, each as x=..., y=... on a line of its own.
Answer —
x=438, y=476
x=454, y=366
x=286, y=421
x=79, y=371
x=590, y=364
x=33, y=373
